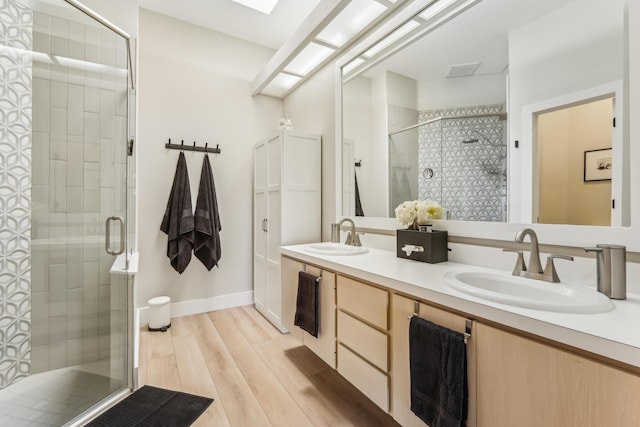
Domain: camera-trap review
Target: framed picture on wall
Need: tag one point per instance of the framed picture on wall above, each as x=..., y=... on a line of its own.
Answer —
x=597, y=165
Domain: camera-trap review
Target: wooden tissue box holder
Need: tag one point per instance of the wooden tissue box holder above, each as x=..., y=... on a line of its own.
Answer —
x=433, y=244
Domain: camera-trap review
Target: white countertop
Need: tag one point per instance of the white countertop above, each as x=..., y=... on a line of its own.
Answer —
x=613, y=334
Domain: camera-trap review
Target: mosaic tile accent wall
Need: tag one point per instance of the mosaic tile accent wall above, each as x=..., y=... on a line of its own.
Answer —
x=15, y=191
x=468, y=179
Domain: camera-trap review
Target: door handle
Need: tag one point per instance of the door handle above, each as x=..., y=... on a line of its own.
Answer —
x=108, y=235
x=264, y=225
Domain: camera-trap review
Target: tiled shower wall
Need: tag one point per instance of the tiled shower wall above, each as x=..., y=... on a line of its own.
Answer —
x=15, y=161
x=79, y=144
x=469, y=180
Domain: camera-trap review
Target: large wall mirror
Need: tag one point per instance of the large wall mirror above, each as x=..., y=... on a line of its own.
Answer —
x=500, y=110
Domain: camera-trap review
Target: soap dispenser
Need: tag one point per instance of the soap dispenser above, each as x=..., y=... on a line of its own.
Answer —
x=611, y=263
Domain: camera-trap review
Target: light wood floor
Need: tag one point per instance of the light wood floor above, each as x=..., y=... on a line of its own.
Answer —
x=257, y=376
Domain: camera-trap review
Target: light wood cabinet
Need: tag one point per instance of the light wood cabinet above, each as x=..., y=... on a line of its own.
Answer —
x=527, y=383
x=325, y=344
x=401, y=310
x=363, y=338
x=287, y=180
x=513, y=380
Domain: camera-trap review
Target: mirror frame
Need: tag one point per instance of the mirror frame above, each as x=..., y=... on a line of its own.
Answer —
x=564, y=235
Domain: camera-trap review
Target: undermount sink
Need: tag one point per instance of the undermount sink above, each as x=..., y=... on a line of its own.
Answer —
x=529, y=293
x=328, y=248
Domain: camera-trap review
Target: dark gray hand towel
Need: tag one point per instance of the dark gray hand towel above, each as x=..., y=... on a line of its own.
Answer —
x=359, y=211
x=438, y=364
x=307, y=303
x=207, y=220
x=177, y=222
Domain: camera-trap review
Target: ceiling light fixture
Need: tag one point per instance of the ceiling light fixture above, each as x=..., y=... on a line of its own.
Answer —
x=332, y=27
x=264, y=6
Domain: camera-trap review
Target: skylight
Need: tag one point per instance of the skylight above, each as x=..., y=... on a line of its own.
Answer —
x=264, y=6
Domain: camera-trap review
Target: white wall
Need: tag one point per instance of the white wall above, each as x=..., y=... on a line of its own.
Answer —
x=195, y=85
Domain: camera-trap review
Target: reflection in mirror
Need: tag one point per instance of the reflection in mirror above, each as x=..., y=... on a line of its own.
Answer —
x=454, y=115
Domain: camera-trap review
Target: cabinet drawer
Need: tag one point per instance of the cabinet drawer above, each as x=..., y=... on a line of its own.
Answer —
x=365, y=301
x=364, y=340
x=369, y=380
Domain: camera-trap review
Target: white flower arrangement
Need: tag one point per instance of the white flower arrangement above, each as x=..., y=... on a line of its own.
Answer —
x=414, y=213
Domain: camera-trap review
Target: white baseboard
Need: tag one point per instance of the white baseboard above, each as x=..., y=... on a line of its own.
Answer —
x=203, y=305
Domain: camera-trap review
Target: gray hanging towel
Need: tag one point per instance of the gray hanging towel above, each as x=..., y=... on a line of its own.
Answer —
x=359, y=211
x=207, y=220
x=177, y=222
x=307, y=303
x=438, y=367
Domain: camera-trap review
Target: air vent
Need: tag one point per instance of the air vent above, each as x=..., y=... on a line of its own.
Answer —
x=462, y=70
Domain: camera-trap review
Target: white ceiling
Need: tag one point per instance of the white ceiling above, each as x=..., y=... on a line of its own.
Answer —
x=239, y=21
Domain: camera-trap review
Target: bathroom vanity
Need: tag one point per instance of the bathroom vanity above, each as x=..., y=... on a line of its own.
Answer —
x=525, y=367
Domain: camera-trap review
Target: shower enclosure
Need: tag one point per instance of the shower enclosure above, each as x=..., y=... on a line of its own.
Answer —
x=456, y=157
x=65, y=123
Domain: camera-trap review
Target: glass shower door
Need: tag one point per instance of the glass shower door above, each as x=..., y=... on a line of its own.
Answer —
x=65, y=96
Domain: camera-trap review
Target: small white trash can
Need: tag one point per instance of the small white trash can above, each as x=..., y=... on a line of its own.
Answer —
x=159, y=313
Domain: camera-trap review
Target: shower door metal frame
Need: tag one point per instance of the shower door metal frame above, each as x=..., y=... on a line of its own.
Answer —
x=131, y=380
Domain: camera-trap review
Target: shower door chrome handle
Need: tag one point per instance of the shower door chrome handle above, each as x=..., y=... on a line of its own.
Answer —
x=107, y=244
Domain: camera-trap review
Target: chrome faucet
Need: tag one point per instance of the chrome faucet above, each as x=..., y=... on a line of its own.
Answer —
x=352, y=237
x=535, y=271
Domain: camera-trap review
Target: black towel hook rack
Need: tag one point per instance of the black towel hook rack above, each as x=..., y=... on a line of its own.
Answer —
x=182, y=147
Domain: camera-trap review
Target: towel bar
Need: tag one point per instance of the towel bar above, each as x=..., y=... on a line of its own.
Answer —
x=467, y=322
x=318, y=279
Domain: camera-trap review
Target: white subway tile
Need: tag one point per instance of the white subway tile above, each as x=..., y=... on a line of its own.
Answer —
x=57, y=355
x=75, y=318
x=41, y=21
x=92, y=151
x=58, y=290
x=57, y=233
x=41, y=42
x=59, y=121
x=59, y=46
x=91, y=292
x=106, y=262
x=107, y=202
x=107, y=161
x=40, y=109
x=121, y=102
x=92, y=99
x=76, y=40
x=58, y=182
x=93, y=226
x=59, y=27
x=40, y=308
x=91, y=251
x=39, y=359
x=40, y=220
x=121, y=140
x=75, y=75
x=75, y=112
x=39, y=268
x=107, y=114
x=75, y=351
x=91, y=78
x=41, y=70
x=58, y=72
x=91, y=176
x=91, y=200
x=58, y=94
x=75, y=201
x=75, y=161
x=75, y=268
x=40, y=158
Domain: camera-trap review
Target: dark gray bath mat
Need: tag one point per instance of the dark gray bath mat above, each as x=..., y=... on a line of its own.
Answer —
x=154, y=407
